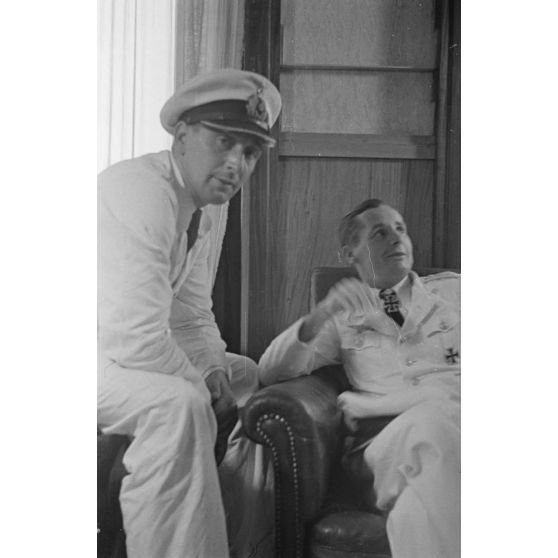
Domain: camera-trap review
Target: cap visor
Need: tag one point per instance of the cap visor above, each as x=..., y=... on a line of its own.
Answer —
x=239, y=127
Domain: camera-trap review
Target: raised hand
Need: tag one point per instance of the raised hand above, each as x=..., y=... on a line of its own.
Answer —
x=349, y=295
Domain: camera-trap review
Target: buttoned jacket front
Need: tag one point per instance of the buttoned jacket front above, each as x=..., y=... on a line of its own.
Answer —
x=154, y=298
x=378, y=356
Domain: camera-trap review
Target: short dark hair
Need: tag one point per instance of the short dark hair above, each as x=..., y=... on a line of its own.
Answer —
x=350, y=227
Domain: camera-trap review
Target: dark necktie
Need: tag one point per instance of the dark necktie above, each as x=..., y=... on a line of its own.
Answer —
x=193, y=227
x=392, y=306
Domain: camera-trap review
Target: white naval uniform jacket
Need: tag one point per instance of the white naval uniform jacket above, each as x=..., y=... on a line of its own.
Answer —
x=377, y=355
x=154, y=299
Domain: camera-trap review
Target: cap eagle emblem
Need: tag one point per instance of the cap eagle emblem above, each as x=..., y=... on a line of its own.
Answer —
x=256, y=109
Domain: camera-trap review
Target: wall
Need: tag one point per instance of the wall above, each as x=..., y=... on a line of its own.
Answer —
x=366, y=89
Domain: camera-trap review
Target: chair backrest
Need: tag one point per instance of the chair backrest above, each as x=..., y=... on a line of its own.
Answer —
x=323, y=278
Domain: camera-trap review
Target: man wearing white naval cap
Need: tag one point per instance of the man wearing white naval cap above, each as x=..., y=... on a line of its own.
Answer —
x=164, y=377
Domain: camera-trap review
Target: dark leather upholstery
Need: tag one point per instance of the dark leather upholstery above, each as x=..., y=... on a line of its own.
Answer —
x=349, y=534
x=320, y=511
x=111, y=540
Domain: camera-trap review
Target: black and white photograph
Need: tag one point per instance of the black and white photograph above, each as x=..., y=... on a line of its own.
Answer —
x=279, y=279
x=250, y=278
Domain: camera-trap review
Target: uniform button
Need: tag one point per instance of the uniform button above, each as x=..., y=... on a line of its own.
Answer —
x=410, y=361
x=415, y=381
x=403, y=340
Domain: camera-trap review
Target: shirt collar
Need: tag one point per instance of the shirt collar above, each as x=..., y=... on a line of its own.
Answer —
x=402, y=285
x=176, y=171
x=397, y=288
x=187, y=199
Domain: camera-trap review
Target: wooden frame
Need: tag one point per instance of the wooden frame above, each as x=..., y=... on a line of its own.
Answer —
x=337, y=68
x=364, y=146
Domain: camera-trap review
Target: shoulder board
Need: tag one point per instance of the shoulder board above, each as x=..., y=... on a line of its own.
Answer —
x=442, y=275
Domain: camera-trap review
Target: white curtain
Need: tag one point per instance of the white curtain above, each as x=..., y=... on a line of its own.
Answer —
x=135, y=76
x=146, y=48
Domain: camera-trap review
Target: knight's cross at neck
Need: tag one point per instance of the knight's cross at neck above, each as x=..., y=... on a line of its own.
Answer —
x=392, y=305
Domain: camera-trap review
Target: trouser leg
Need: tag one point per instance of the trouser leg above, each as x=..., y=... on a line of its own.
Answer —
x=171, y=502
x=408, y=527
x=416, y=466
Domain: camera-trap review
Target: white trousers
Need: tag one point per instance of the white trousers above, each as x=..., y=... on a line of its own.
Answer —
x=171, y=501
x=416, y=465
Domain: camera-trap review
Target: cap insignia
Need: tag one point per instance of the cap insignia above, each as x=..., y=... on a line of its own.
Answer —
x=256, y=109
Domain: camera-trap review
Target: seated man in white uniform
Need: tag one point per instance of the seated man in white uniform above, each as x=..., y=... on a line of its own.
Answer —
x=398, y=338
x=164, y=376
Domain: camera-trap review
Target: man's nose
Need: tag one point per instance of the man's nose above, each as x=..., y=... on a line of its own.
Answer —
x=233, y=158
x=395, y=236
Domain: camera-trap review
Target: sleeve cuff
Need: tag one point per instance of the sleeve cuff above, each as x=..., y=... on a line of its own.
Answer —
x=226, y=369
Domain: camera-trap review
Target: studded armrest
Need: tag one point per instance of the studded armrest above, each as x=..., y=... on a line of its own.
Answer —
x=300, y=422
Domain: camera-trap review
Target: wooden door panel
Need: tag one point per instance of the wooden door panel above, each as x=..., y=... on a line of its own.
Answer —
x=356, y=102
x=311, y=197
x=359, y=32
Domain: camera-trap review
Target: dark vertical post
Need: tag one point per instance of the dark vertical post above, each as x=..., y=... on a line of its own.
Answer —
x=447, y=191
x=439, y=213
x=227, y=288
x=453, y=205
x=262, y=28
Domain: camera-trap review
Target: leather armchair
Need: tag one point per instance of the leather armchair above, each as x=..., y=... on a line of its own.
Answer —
x=319, y=511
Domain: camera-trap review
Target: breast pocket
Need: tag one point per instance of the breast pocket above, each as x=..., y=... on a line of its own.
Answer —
x=365, y=359
x=359, y=340
x=445, y=334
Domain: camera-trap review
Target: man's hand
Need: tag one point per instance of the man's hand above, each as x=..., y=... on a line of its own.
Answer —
x=355, y=406
x=351, y=295
x=221, y=394
x=225, y=408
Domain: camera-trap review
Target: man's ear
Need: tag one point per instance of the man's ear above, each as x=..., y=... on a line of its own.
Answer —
x=347, y=255
x=180, y=132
